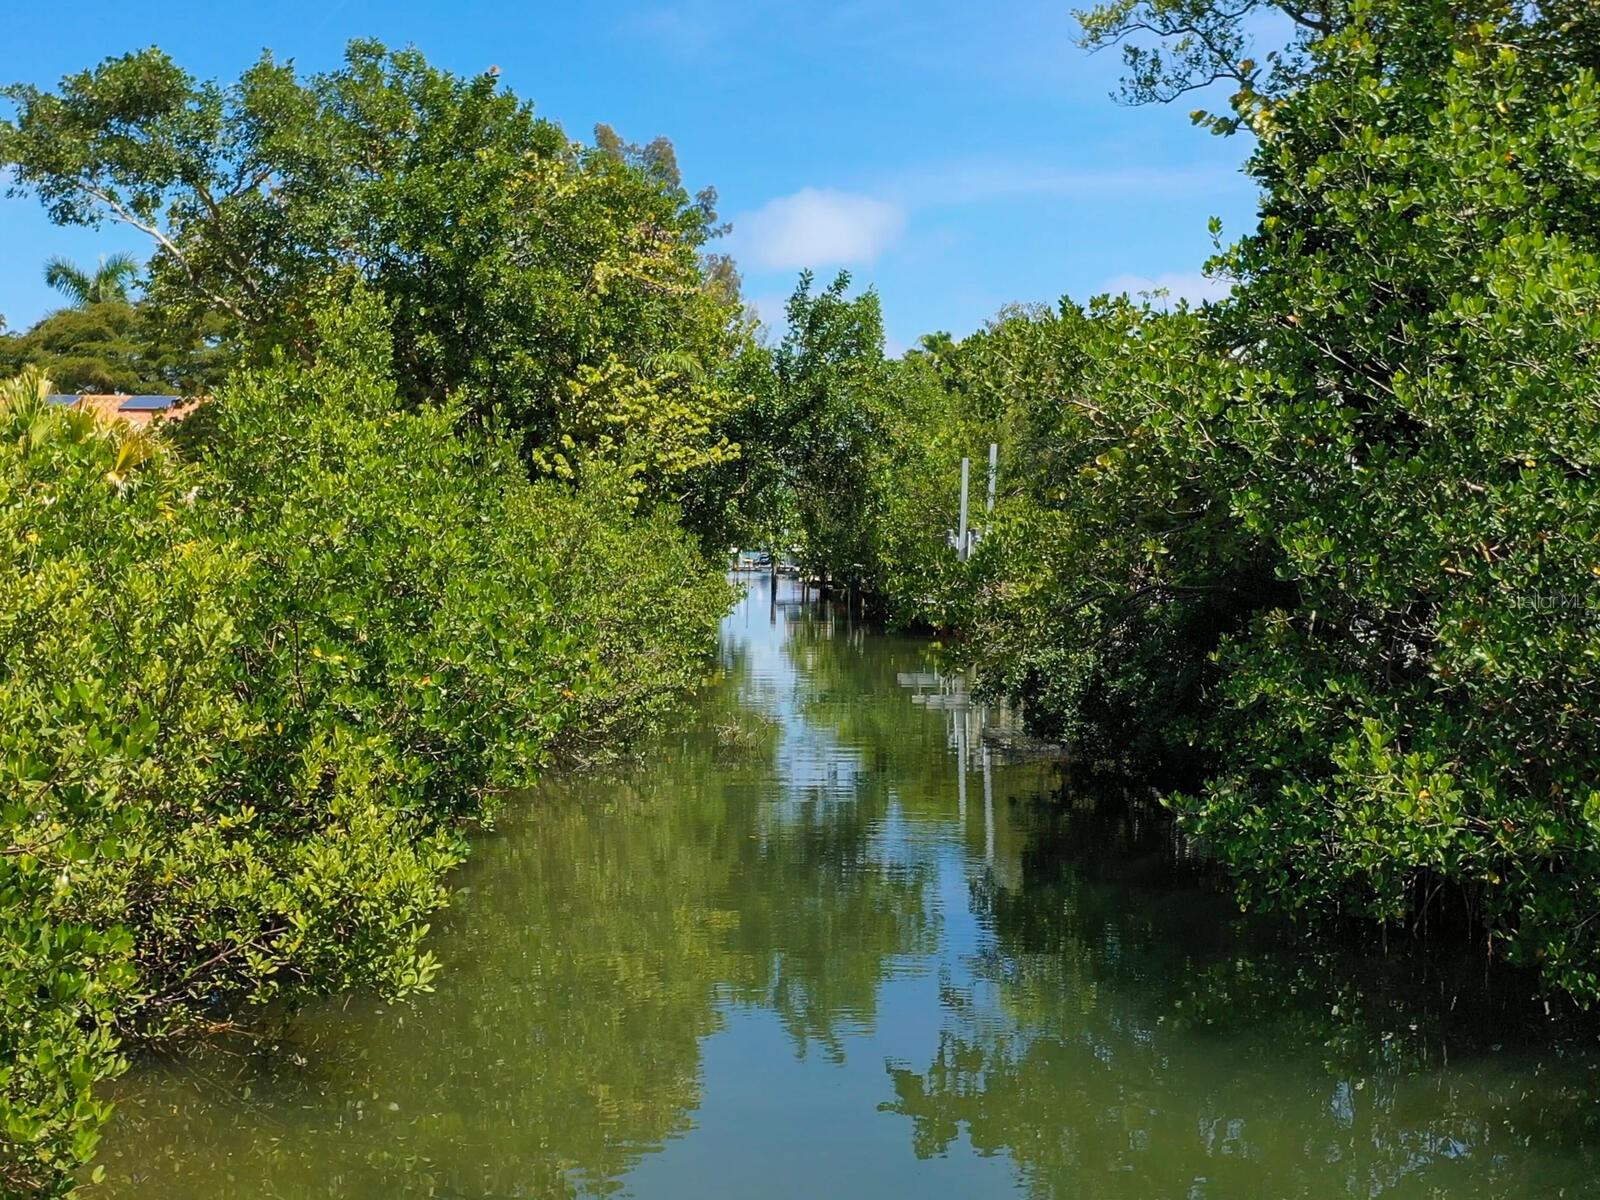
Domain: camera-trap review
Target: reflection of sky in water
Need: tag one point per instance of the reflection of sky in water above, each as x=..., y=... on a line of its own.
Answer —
x=812, y=763
x=961, y=995
x=743, y=1140
x=867, y=964
x=810, y=760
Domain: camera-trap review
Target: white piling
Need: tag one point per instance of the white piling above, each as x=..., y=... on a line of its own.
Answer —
x=988, y=809
x=959, y=721
x=961, y=534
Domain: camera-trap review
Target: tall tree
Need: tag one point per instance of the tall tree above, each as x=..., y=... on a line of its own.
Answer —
x=529, y=275
x=116, y=346
x=108, y=281
x=1171, y=48
x=1416, y=431
x=829, y=377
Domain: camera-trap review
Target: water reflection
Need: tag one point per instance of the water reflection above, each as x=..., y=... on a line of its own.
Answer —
x=1121, y=1032
x=834, y=938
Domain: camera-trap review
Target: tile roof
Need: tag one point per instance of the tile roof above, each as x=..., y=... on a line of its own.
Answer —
x=133, y=410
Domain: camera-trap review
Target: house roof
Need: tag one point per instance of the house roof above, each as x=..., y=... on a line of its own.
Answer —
x=133, y=410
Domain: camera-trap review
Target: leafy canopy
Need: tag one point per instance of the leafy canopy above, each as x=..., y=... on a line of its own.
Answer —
x=521, y=270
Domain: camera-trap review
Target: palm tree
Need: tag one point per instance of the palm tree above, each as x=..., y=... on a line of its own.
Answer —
x=109, y=282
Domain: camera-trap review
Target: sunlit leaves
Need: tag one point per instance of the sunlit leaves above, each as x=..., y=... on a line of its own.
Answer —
x=249, y=701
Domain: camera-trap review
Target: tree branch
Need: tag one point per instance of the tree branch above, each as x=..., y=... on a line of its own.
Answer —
x=121, y=213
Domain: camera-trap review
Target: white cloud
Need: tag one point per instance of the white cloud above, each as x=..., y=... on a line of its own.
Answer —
x=818, y=227
x=1178, y=285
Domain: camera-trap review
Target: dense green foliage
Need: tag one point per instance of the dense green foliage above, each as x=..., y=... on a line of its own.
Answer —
x=1110, y=538
x=562, y=289
x=260, y=671
x=1321, y=557
x=826, y=373
x=251, y=694
x=113, y=345
x=1415, y=433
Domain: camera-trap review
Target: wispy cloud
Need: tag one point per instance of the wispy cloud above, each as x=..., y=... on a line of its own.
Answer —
x=1027, y=45
x=685, y=30
x=822, y=227
x=1172, y=286
x=974, y=180
x=817, y=227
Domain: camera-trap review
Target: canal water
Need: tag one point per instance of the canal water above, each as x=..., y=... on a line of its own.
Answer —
x=841, y=939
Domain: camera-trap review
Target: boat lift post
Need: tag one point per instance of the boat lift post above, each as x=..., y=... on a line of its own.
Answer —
x=962, y=537
x=963, y=542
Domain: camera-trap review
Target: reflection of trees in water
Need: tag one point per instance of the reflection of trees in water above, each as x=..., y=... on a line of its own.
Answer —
x=562, y=1043
x=1120, y=1031
x=851, y=690
x=598, y=933
x=854, y=691
x=822, y=913
x=821, y=906
x=1125, y=1035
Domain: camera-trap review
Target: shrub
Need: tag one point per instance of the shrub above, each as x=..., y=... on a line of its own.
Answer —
x=250, y=698
x=113, y=713
x=1416, y=432
x=1339, y=534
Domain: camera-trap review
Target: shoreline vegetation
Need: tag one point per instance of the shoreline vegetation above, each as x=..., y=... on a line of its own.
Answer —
x=257, y=692
x=1320, y=560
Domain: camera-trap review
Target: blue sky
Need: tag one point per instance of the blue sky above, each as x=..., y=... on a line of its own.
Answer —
x=957, y=156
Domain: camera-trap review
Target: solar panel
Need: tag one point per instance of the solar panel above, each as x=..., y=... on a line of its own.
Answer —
x=148, y=403
x=60, y=398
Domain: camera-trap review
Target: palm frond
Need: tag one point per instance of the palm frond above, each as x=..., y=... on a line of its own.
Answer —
x=25, y=392
x=115, y=274
x=109, y=281
x=68, y=279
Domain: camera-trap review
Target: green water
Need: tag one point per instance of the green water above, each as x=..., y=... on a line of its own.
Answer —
x=833, y=942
